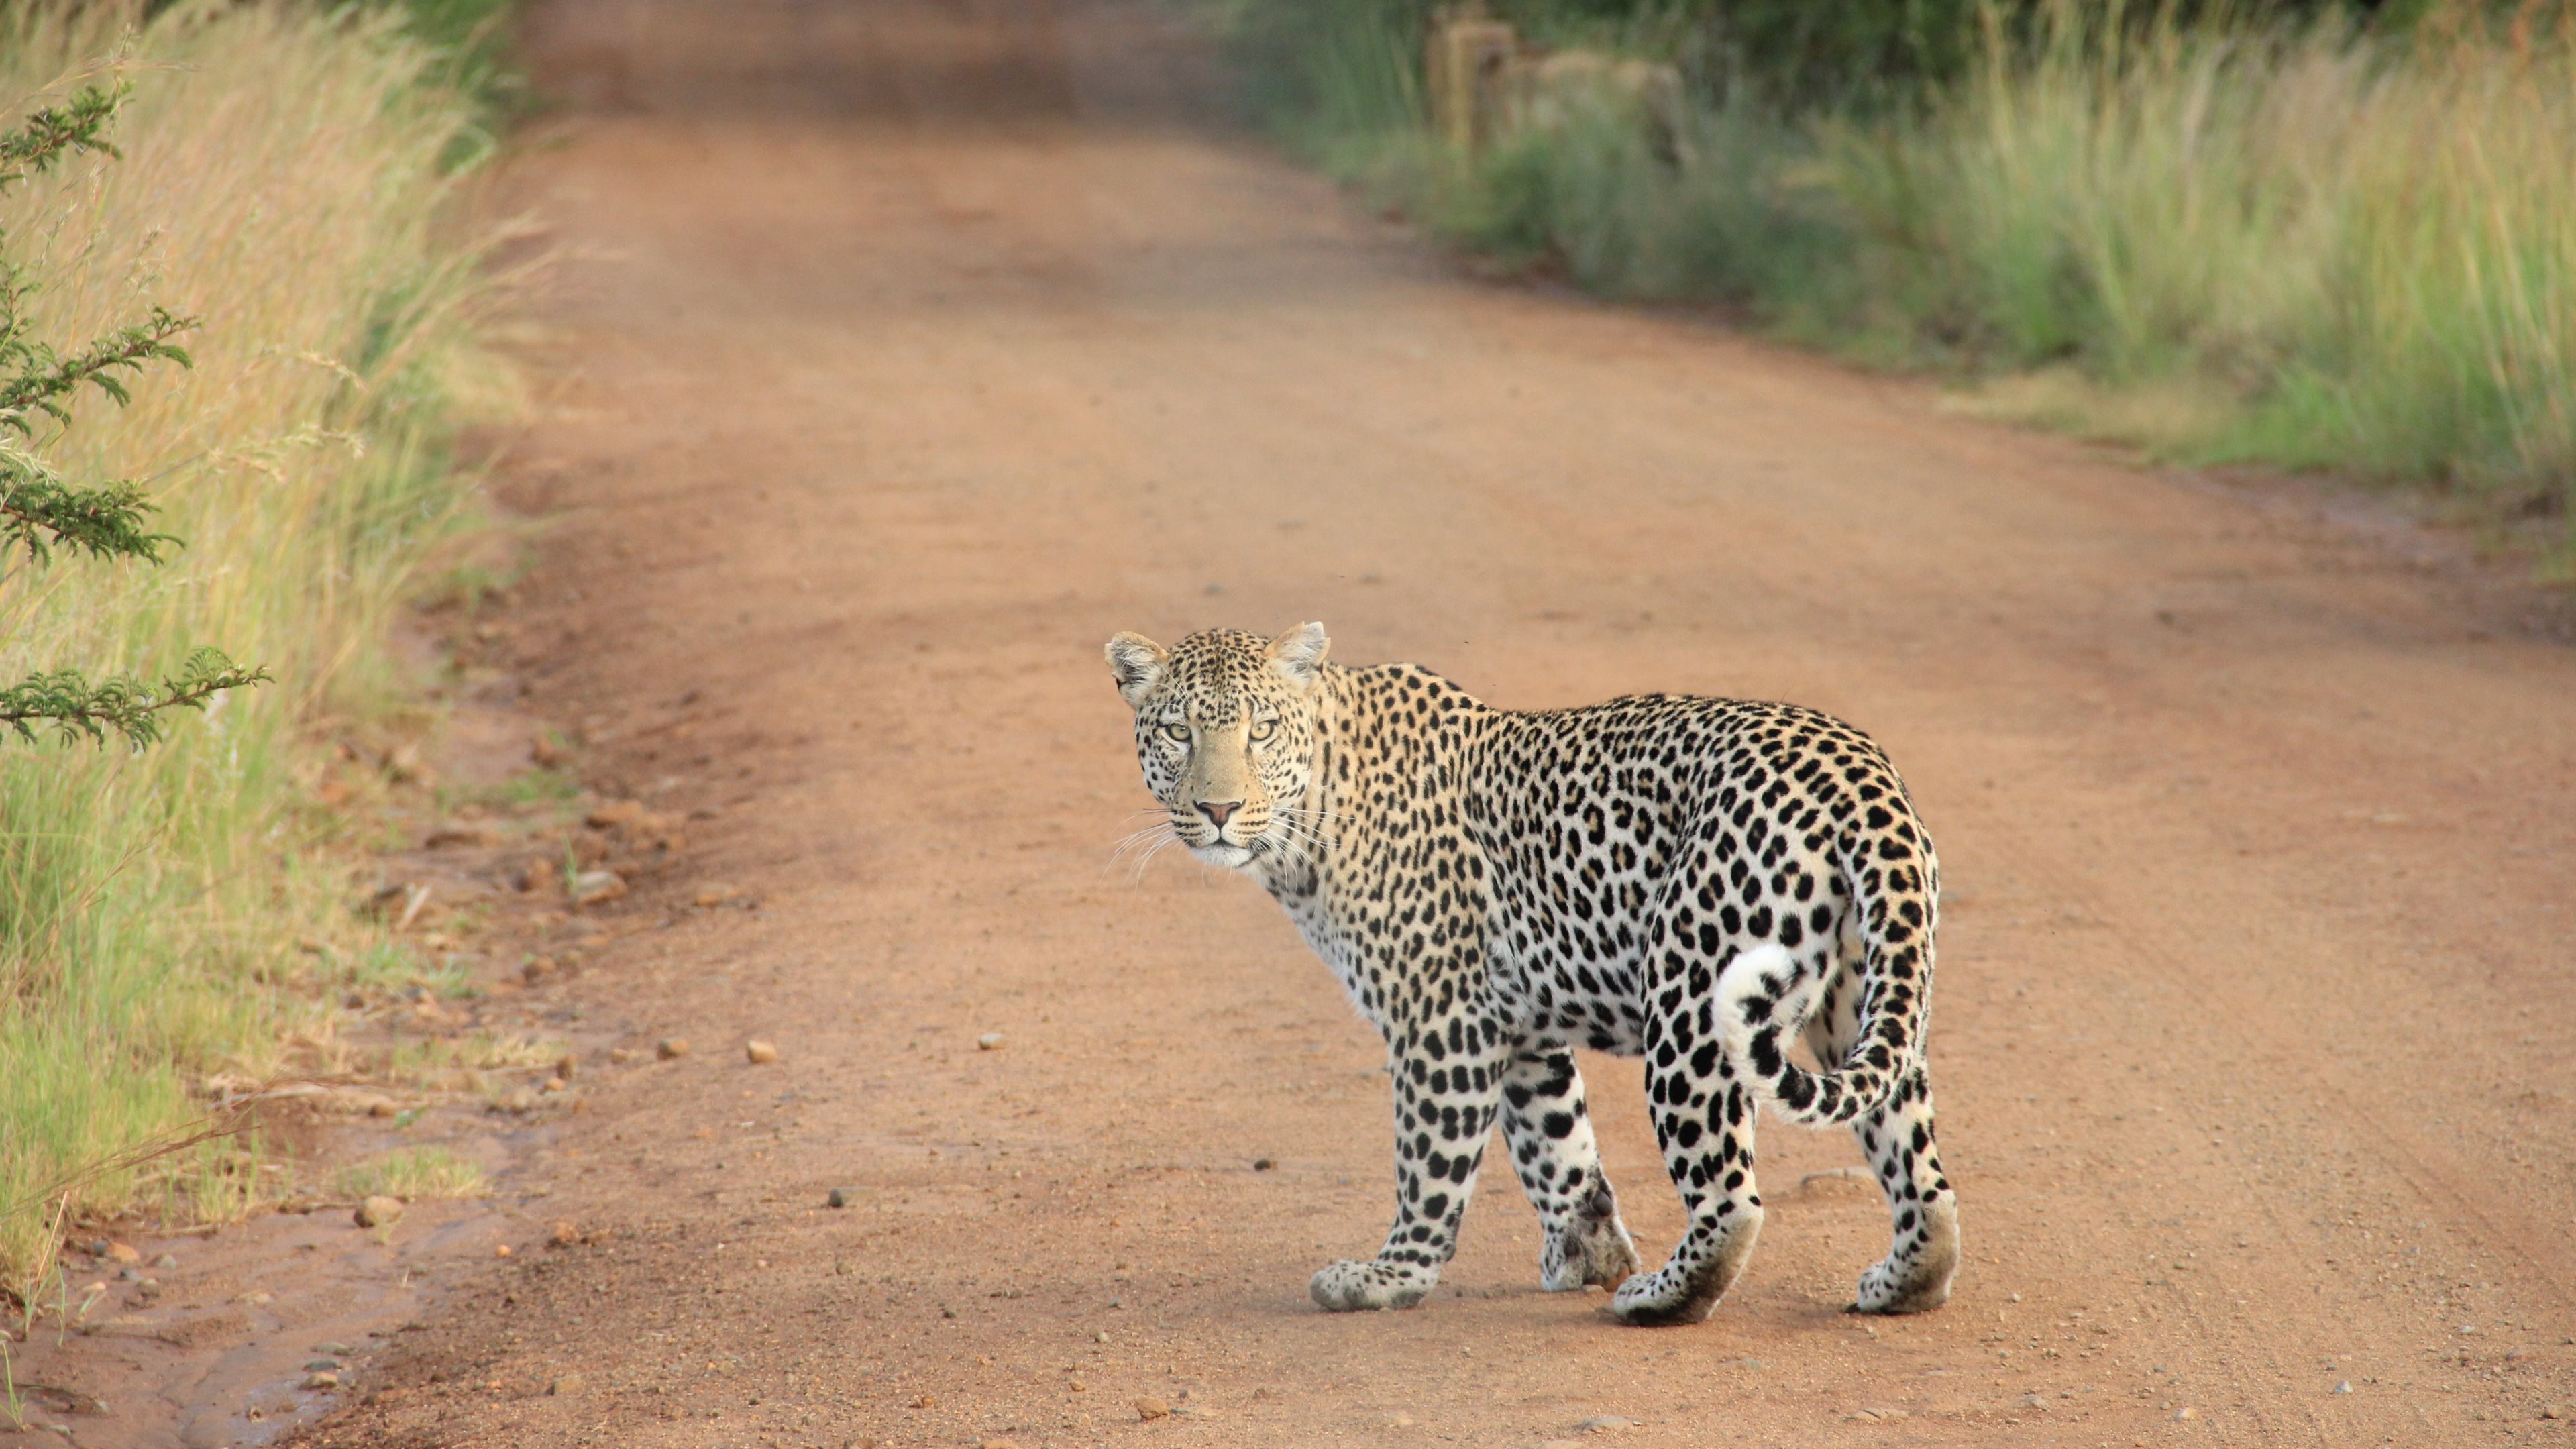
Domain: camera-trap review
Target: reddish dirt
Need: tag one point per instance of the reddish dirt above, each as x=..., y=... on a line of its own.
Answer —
x=909, y=349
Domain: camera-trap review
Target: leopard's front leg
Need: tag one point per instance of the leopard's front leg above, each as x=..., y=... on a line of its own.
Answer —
x=1548, y=1127
x=1448, y=1084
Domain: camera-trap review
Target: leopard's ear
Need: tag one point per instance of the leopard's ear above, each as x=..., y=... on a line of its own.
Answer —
x=1299, y=654
x=1137, y=662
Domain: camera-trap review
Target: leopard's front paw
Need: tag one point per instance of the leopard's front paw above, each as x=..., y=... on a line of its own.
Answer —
x=1349, y=1287
x=1665, y=1296
x=1591, y=1249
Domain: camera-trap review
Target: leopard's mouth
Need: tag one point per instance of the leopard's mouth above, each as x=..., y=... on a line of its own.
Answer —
x=1221, y=851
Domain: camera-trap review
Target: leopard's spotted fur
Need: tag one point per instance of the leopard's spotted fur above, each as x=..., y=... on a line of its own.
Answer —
x=1697, y=881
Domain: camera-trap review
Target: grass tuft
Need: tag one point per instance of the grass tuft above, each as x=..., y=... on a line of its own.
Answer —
x=414, y=1174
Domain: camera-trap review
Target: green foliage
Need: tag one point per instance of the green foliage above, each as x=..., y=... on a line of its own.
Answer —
x=472, y=40
x=32, y=374
x=182, y=914
x=38, y=510
x=121, y=704
x=51, y=131
x=1793, y=56
x=450, y=26
x=36, y=506
x=1328, y=72
x=2224, y=231
x=1817, y=52
x=43, y=379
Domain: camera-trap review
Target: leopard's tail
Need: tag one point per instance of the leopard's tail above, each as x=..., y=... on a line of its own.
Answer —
x=1765, y=994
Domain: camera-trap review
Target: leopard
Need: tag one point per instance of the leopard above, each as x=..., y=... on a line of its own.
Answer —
x=1708, y=884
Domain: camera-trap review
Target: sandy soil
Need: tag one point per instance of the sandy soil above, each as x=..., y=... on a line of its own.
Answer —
x=910, y=348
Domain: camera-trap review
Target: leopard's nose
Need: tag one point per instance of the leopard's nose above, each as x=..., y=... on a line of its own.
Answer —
x=1218, y=810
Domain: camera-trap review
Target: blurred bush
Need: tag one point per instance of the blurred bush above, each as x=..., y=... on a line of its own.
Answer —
x=2294, y=234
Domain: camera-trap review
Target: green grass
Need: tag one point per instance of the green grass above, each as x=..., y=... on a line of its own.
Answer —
x=287, y=175
x=414, y=1174
x=2268, y=241
x=457, y=1062
x=527, y=790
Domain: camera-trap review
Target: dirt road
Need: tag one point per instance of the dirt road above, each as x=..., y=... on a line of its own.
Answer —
x=910, y=348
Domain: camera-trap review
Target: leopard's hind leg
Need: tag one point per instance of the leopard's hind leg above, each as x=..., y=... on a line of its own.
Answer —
x=1704, y=1111
x=1915, y=1275
x=1898, y=1139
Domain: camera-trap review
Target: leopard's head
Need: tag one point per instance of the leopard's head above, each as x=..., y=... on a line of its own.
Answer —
x=1225, y=730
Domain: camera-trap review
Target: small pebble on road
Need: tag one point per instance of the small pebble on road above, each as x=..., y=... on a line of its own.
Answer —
x=597, y=887
x=761, y=1053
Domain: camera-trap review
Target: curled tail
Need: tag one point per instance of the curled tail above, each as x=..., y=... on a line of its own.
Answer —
x=1765, y=994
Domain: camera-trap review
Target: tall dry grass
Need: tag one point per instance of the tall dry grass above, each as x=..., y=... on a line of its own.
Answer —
x=286, y=176
x=2324, y=247
x=2230, y=238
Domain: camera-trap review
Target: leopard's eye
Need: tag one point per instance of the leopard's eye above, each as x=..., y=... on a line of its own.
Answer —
x=1179, y=732
x=1263, y=729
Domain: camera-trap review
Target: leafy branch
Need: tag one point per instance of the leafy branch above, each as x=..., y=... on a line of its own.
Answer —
x=44, y=137
x=122, y=704
x=44, y=378
x=41, y=512
x=38, y=377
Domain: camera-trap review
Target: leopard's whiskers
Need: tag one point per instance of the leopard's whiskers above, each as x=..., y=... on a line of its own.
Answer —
x=1143, y=844
x=1169, y=839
